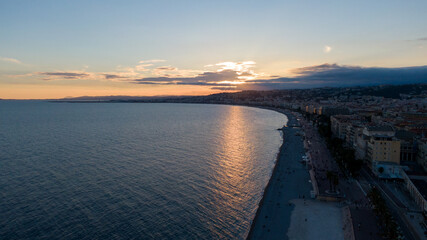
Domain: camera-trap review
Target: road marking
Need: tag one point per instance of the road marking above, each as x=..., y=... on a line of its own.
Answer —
x=361, y=187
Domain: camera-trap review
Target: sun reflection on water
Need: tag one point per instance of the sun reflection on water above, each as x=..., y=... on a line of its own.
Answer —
x=234, y=154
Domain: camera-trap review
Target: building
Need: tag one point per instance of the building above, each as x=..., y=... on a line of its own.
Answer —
x=361, y=145
x=340, y=124
x=422, y=153
x=408, y=145
x=310, y=109
x=330, y=110
x=353, y=130
x=417, y=187
x=418, y=128
x=387, y=170
x=415, y=116
x=382, y=145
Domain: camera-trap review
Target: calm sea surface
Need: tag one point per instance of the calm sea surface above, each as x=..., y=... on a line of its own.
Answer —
x=133, y=170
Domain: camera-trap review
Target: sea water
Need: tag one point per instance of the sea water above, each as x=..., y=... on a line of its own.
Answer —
x=133, y=170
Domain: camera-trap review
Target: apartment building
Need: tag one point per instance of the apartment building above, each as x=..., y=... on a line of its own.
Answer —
x=340, y=124
x=422, y=153
x=382, y=146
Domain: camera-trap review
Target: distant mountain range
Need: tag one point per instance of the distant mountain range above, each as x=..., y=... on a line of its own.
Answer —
x=114, y=98
x=387, y=91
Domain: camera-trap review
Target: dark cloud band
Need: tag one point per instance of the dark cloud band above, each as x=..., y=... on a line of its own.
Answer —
x=332, y=75
x=66, y=75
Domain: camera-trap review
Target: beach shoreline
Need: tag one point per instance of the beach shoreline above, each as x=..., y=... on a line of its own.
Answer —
x=257, y=215
x=289, y=180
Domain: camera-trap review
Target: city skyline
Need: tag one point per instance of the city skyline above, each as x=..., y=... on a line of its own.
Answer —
x=54, y=49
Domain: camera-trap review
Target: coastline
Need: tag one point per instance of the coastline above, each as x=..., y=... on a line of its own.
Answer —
x=273, y=216
x=289, y=180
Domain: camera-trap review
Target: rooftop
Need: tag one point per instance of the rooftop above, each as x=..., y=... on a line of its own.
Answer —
x=405, y=135
x=380, y=128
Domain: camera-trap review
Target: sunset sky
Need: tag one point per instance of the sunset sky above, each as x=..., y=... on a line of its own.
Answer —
x=55, y=49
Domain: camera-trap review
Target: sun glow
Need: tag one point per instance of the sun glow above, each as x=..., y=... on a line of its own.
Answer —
x=231, y=82
x=238, y=67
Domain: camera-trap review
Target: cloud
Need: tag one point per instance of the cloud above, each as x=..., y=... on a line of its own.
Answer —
x=152, y=61
x=334, y=75
x=327, y=49
x=145, y=64
x=229, y=77
x=82, y=75
x=174, y=72
x=112, y=76
x=243, y=69
x=11, y=60
x=167, y=71
x=223, y=74
x=421, y=39
x=65, y=75
x=232, y=88
x=320, y=68
x=236, y=66
x=206, y=78
x=167, y=68
x=143, y=67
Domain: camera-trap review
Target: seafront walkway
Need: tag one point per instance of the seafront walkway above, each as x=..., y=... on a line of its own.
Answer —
x=349, y=191
x=322, y=161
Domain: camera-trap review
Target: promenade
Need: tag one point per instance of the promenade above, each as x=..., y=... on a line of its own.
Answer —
x=322, y=161
x=349, y=191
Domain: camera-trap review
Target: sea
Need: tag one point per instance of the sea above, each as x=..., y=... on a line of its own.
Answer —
x=133, y=170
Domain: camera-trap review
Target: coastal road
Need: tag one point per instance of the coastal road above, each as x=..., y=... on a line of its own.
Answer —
x=397, y=208
x=322, y=162
x=363, y=219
